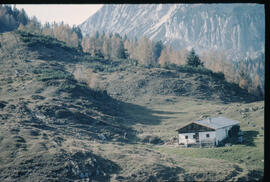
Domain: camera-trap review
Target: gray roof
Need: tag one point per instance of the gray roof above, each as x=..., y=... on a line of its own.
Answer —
x=217, y=123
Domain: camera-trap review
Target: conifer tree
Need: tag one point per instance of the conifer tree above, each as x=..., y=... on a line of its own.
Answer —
x=193, y=59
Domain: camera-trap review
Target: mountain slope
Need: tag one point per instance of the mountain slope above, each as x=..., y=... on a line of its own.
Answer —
x=145, y=84
x=56, y=128
x=236, y=28
x=45, y=113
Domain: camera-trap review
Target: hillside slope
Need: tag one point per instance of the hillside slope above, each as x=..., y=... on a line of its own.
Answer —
x=56, y=128
x=44, y=112
x=135, y=84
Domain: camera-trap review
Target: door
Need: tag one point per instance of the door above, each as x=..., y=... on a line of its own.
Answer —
x=196, y=136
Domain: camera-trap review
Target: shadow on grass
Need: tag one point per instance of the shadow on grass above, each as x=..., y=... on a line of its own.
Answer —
x=130, y=113
x=117, y=116
x=168, y=112
x=249, y=137
x=136, y=114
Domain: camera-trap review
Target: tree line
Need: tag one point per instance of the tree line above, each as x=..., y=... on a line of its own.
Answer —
x=11, y=18
x=248, y=74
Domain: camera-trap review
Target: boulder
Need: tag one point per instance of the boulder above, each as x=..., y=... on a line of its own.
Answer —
x=102, y=136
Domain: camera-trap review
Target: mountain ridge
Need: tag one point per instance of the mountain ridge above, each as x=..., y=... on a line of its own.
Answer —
x=235, y=28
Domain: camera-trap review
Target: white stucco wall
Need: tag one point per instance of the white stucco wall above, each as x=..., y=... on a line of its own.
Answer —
x=185, y=141
x=212, y=136
x=202, y=137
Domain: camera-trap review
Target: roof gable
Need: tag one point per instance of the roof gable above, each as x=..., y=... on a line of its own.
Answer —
x=207, y=125
x=216, y=123
x=194, y=127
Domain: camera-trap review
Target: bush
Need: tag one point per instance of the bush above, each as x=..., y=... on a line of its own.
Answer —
x=219, y=75
x=152, y=140
x=192, y=69
x=105, y=65
x=48, y=74
x=67, y=85
x=35, y=40
x=63, y=113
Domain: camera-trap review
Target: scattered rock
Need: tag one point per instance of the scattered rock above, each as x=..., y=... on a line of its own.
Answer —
x=218, y=112
x=34, y=132
x=204, y=116
x=134, y=175
x=243, y=115
x=244, y=110
x=101, y=136
x=62, y=113
x=40, y=116
x=37, y=97
x=19, y=139
x=11, y=107
x=2, y=104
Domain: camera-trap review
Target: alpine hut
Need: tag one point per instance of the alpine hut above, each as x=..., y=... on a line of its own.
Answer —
x=208, y=132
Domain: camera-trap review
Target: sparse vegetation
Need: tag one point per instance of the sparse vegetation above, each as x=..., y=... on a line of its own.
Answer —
x=54, y=110
x=145, y=51
x=49, y=74
x=34, y=40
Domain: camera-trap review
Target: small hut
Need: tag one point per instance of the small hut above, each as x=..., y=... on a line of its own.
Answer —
x=208, y=132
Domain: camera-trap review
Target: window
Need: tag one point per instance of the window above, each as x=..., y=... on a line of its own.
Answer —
x=186, y=137
x=194, y=136
x=207, y=135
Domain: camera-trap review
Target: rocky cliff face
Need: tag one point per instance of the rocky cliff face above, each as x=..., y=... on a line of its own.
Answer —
x=236, y=28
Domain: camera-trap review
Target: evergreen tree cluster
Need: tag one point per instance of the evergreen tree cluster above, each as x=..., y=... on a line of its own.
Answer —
x=11, y=18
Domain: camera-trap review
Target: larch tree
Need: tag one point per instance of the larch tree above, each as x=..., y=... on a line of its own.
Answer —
x=243, y=77
x=164, y=57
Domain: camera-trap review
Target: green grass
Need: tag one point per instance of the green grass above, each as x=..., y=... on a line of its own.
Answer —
x=158, y=117
x=165, y=118
x=251, y=156
x=52, y=74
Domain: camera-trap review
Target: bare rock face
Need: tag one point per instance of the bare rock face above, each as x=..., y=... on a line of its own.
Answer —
x=236, y=28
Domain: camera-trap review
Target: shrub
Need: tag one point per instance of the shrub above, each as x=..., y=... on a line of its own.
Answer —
x=219, y=75
x=35, y=40
x=152, y=140
x=192, y=69
x=62, y=113
x=51, y=74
